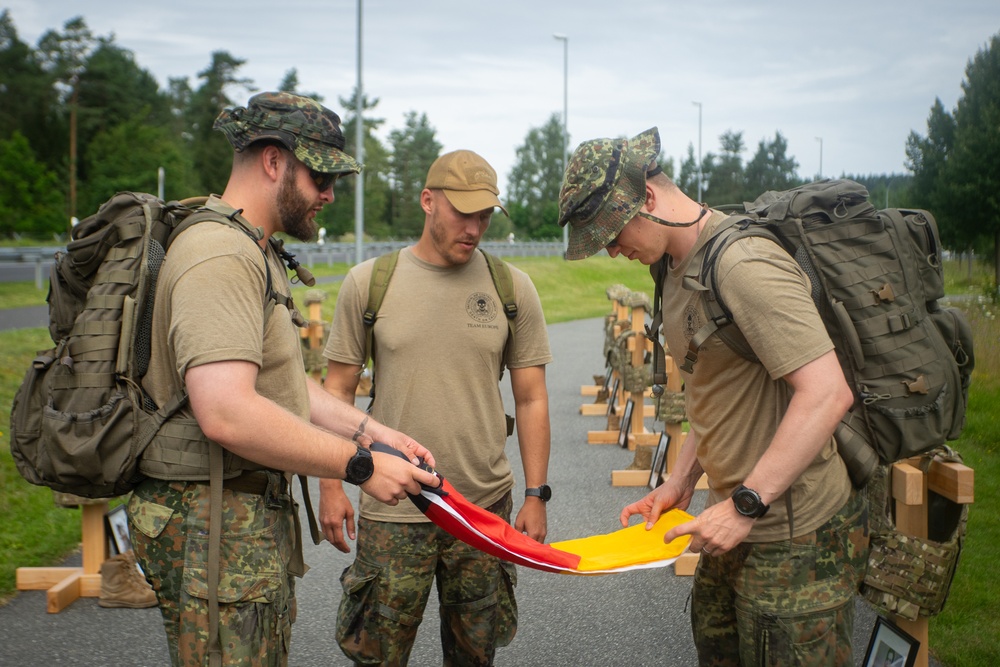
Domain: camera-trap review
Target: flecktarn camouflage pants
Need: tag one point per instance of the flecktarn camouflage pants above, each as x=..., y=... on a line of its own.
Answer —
x=387, y=586
x=783, y=603
x=169, y=523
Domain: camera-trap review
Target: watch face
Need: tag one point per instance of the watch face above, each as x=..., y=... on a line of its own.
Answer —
x=360, y=467
x=746, y=503
x=545, y=492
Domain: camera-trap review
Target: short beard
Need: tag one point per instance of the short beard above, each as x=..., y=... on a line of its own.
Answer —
x=293, y=209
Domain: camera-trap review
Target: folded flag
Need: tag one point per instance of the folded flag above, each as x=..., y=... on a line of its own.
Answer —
x=631, y=548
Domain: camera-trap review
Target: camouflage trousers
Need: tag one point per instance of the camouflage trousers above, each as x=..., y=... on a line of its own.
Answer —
x=783, y=603
x=387, y=586
x=170, y=525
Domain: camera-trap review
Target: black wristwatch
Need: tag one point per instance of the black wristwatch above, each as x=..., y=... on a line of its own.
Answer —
x=360, y=467
x=748, y=502
x=544, y=492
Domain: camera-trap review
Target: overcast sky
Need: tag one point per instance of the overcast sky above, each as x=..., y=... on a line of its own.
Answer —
x=858, y=75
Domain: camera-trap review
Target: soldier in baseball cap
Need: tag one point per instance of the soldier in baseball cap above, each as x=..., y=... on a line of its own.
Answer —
x=302, y=125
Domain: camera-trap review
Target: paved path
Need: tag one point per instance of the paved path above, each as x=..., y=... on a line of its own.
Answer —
x=634, y=619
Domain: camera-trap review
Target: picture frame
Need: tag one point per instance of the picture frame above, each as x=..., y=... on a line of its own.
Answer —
x=890, y=646
x=625, y=425
x=613, y=398
x=659, y=464
x=116, y=524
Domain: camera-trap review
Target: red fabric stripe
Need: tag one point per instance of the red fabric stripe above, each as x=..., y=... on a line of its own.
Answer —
x=497, y=537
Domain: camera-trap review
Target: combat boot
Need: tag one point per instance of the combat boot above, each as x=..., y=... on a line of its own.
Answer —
x=122, y=585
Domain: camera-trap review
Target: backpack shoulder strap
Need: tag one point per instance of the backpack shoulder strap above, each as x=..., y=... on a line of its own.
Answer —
x=378, y=284
x=702, y=277
x=503, y=281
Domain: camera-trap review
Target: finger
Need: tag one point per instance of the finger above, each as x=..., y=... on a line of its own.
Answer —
x=627, y=514
x=677, y=531
x=351, y=532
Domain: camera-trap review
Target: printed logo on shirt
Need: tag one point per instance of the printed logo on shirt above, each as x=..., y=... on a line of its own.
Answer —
x=692, y=321
x=481, y=307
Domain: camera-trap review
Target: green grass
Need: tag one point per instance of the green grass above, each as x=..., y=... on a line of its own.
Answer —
x=37, y=533
x=21, y=294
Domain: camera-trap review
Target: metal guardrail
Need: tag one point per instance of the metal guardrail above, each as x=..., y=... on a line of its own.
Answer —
x=309, y=254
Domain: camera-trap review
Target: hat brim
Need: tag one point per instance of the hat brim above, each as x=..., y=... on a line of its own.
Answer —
x=325, y=158
x=472, y=201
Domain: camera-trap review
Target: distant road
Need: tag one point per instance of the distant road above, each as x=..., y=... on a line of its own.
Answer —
x=38, y=316
x=24, y=318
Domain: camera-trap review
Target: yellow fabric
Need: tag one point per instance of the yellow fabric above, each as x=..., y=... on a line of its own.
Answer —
x=630, y=546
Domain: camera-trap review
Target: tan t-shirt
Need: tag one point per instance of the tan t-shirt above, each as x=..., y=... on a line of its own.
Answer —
x=439, y=343
x=210, y=300
x=735, y=405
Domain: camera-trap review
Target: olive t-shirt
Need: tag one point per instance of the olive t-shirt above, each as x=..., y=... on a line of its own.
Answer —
x=210, y=300
x=735, y=405
x=439, y=344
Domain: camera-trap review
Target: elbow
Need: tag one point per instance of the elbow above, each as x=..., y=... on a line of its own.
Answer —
x=217, y=430
x=843, y=400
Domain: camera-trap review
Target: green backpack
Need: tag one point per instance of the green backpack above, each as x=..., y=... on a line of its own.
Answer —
x=876, y=280
x=80, y=420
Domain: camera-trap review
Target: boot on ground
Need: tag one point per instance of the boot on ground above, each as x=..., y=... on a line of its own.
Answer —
x=122, y=585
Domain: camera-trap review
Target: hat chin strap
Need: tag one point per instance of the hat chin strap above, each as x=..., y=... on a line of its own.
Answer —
x=667, y=223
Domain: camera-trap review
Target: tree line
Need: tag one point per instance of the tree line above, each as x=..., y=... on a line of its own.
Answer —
x=81, y=120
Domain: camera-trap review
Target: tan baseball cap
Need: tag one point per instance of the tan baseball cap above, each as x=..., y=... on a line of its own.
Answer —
x=468, y=181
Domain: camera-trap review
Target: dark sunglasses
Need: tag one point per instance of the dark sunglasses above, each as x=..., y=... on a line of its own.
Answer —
x=322, y=180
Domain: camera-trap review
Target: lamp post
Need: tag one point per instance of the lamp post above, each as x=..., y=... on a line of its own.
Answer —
x=565, y=147
x=820, y=140
x=698, y=104
x=359, y=183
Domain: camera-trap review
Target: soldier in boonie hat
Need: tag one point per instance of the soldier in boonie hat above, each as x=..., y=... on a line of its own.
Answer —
x=302, y=125
x=604, y=187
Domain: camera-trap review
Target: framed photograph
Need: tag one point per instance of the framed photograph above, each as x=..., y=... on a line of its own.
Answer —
x=613, y=398
x=890, y=646
x=659, y=461
x=116, y=523
x=625, y=425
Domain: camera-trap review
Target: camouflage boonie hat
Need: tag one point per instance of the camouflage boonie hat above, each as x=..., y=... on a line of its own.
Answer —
x=603, y=188
x=302, y=125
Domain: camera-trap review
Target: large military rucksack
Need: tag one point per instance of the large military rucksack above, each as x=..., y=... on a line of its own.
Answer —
x=876, y=280
x=80, y=420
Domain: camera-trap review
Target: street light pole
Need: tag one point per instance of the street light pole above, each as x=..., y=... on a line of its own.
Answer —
x=359, y=181
x=565, y=147
x=698, y=104
x=820, y=140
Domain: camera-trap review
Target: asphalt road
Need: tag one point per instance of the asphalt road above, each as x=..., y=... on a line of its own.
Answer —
x=633, y=619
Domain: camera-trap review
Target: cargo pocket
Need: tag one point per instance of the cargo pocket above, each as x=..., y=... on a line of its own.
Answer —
x=357, y=619
x=802, y=639
x=506, y=605
x=250, y=562
x=147, y=517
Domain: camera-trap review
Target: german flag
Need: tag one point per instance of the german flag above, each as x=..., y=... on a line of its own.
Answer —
x=632, y=548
